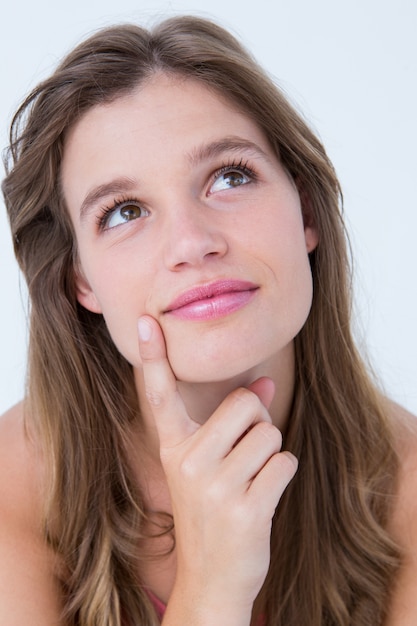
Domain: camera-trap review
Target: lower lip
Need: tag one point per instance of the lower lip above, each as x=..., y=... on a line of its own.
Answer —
x=215, y=307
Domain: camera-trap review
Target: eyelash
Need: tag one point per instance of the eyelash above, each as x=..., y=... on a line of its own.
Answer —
x=241, y=166
x=106, y=211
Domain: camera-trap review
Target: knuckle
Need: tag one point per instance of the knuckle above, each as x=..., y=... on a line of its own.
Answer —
x=269, y=432
x=243, y=516
x=247, y=397
x=149, y=354
x=216, y=492
x=290, y=462
x=286, y=465
x=155, y=398
x=188, y=468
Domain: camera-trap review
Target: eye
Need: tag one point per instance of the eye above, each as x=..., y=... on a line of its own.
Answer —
x=121, y=213
x=231, y=176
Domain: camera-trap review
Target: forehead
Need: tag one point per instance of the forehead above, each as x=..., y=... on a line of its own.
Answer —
x=166, y=125
x=164, y=101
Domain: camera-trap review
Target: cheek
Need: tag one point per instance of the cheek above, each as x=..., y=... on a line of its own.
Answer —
x=289, y=265
x=124, y=298
x=121, y=295
x=282, y=241
x=122, y=278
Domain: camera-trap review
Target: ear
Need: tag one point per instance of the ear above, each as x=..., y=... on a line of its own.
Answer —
x=311, y=234
x=311, y=238
x=85, y=295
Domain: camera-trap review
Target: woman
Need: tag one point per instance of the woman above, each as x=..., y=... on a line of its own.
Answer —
x=179, y=229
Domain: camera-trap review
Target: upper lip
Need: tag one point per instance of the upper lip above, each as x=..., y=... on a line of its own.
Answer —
x=209, y=290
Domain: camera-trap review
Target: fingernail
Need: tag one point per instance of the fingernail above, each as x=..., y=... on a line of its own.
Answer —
x=144, y=329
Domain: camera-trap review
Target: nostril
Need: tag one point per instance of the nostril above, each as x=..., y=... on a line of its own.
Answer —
x=194, y=244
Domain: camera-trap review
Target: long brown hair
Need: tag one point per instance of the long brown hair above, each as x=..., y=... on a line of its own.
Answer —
x=332, y=560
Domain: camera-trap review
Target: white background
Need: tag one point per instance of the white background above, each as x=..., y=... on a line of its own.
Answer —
x=352, y=69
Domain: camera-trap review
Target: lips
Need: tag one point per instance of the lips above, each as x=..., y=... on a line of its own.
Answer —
x=212, y=300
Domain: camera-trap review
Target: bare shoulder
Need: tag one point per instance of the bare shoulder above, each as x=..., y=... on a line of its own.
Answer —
x=403, y=526
x=28, y=592
x=405, y=433
x=19, y=471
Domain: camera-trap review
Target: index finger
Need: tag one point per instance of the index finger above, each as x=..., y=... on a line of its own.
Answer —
x=171, y=418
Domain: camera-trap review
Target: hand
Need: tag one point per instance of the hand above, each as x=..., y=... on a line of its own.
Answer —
x=225, y=479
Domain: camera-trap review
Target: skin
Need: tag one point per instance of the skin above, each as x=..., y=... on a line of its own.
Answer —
x=214, y=394
x=195, y=228
x=190, y=234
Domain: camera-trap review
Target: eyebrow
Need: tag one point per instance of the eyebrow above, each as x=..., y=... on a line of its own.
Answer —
x=228, y=144
x=116, y=186
x=200, y=154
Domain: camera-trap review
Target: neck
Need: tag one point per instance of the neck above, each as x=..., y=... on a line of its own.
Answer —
x=202, y=399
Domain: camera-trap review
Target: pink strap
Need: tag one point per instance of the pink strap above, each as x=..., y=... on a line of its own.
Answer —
x=158, y=604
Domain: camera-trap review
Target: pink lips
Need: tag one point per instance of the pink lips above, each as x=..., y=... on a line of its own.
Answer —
x=208, y=302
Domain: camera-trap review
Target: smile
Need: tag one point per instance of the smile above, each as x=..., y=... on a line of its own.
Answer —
x=209, y=302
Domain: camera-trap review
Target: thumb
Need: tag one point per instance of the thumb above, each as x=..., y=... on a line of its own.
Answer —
x=167, y=407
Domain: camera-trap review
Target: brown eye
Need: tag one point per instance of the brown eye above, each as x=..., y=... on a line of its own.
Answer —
x=130, y=212
x=230, y=179
x=235, y=179
x=123, y=212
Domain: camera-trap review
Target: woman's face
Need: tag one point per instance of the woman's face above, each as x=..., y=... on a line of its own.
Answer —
x=182, y=211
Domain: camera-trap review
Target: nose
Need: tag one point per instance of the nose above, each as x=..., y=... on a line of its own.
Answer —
x=192, y=237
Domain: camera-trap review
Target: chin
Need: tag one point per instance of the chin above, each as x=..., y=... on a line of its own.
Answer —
x=243, y=364
x=204, y=372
